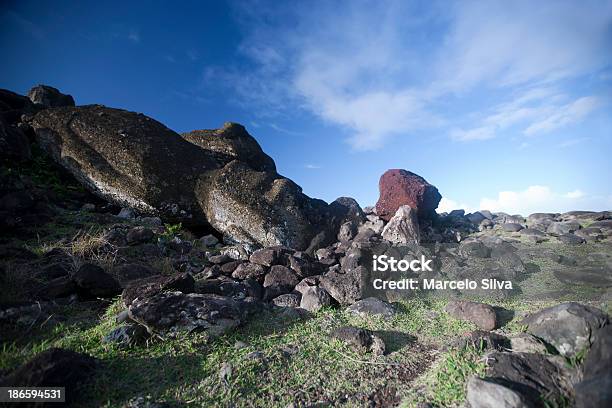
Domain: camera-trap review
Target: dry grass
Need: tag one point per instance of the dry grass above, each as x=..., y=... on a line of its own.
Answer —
x=163, y=265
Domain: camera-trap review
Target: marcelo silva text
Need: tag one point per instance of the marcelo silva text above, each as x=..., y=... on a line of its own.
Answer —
x=437, y=284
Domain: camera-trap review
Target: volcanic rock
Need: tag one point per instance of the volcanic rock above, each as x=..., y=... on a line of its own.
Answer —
x=49, y=97
x=569, y=327
x=403, y=227
x=401, y=187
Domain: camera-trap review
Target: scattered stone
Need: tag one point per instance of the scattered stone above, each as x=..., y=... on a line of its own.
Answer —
x=54, y=367
x=93, y=281
x=219, y=259
x=170, y=313
x=571, y=239
x=347, y=231
x=403, y=227
x=57, y=288
x=560, y=228
x=481, y=314
x=268, y=256
x=512, y=227
x=55, y=270
x=126, y=213
x=599, y=277
x=474, y=249
x=250, y=270
x=287, y=300
x=360, y=339
x=154, y=285
x=209, y=240
x=482, y=393
x=476, y=218
x=568, y=327
x=401, y=187
x=526, y=343
x=278, y=281
x=314, y=298
x=132, y=271
x=595, y=390
x=229, y=267
x=126, y=335
x=372, y=307
x=534, y=376
x=481, y=340
x=139, y=235
x=345, y=288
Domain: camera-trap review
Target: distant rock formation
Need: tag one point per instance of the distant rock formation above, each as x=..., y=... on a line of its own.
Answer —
x=400, y=187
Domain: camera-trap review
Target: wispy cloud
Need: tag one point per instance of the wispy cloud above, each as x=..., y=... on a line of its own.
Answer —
x=384, y=71
x=312, y=166
x=134, y=36
x=564, y=115
x=25, y=24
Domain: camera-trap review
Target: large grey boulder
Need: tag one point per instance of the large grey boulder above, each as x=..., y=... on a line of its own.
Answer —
x=569, y=327
x=403, y=227
x=483, y=393
x=534, y=376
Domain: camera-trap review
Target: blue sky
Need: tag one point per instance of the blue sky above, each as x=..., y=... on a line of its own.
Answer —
x=501, y=105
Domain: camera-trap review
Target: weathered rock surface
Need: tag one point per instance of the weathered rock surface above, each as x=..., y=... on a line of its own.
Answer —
x=49, y=97
x=234, y=142
x=94, y=281
x=533, y=376
x=53, y=368
x=154, y=285
x=172, y=312
x=401, y=187
x=314, y=298
x=569, y=327
x=595, y=390
x=482, y=393
x=345, y=288
x=135, y=161
x=403, y=227
x=481, y=314
x=360, y=339
x=372, y=307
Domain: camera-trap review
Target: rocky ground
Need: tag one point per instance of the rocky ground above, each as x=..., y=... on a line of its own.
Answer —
x=216, y=282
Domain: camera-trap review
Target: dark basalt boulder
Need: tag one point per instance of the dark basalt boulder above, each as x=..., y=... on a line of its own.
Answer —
x=53, y=368
x=534, y=376
x=170, y=313
x=154, y=285
x=219, y=178
x=232, y=141
x=14, y=144
x=260, y=207
x=400, y=187
x=49, y=97
x=569, y=327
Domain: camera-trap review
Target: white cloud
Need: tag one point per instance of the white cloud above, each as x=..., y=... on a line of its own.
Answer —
x=479, y=133
x=564, y=115
x=447, y=205
x=395, y=69
x=543, y=199
x=134, y=36
x=312, y=166
x=574, y=194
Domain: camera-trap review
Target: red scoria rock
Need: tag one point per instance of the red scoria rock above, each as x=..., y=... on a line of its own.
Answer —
x=400, y=187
